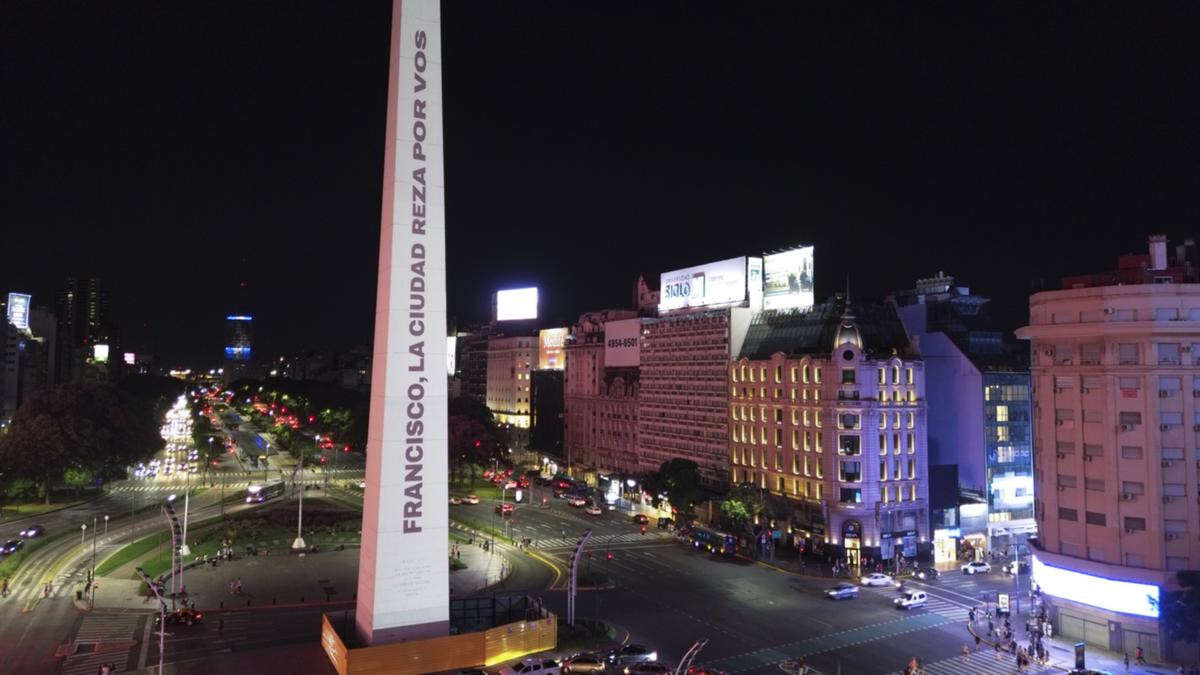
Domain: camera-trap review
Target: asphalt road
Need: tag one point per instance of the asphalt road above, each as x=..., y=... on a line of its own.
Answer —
x=668, y=596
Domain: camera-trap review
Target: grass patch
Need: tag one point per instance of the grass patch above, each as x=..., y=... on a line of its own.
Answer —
x=59, y=499
x=131, y=552
x=483, y=490
x=11, y=563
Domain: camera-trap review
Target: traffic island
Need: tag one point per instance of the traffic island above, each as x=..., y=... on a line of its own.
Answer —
x=483, y=632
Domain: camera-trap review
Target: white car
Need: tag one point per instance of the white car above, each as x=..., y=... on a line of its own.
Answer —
x=593, y=510
x=976, y=567
x=470, y=499
x=577, y=501
x=911, y=599
x=533, y=667
x=876, y=579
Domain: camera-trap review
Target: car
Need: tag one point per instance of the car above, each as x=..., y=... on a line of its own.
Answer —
x=182, y=616
x=505, y=509
x=911, y=599
x=1021, y=568
x=533, y=667
x=593, y=510
x=632, y=654
x=583, y=663
x=976, y=567
x=641, y=519
x=842, y=590
x=876, y=579
x=648, y=668
x=510, y=485
x=928, y=573
x=471, y=499
x=577, y=502
x=456, y=500
x=11, y=546
x=666, y=523
x=33, y=531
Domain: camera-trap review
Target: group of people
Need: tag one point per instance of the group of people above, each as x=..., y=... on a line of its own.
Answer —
x=915, y=667
x=235, y=586
x=107, y=669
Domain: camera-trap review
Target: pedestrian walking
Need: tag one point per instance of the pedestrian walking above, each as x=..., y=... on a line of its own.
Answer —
x=1140, y=657
x=996, y=648
x=971, y=615
x=1126, y=661
x=4, y=589
x=977, y=641
x=966, y=653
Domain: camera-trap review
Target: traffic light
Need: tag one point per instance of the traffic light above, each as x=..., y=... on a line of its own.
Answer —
x=478, y=443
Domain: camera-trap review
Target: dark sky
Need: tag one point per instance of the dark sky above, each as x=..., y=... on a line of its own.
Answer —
x=158, y=145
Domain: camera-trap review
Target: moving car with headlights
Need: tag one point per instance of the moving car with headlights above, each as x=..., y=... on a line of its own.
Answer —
x=583, y=663
x=876, y=579
x=640, y=519
x=11, y=546
x=533, y=667
x=842, y=590
x=628, y=654
x=928, y=573
x=33, y=531
x=911, y=599
x=456, y=500
x=471, y=499
x=593, y=510
x=505, y=509
x=976, y=567
x=1015, y=568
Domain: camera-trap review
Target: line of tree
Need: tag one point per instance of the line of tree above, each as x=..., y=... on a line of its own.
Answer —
x=84, y=433
x=336, y=412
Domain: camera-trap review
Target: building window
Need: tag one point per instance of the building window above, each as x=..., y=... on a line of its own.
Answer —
x=795, y=439
x=1089, y=354
x=1130, y=419
x=807, y=470
x=912, y=446
x=804, y=373
x=849, y=445
x=849, y=421
x=779, y=379
x=896, y=474
x=779, y=462
x=848, y=375
x=1166, y=314
x=883, y=471
x=882, y=376
x=1068, y=514
x=851, y=471
x=818, y=445
x=1066, y=481
x=1094, y=518
x=753, y=374
x=1132, y=487
x=820, y=470
x=908, y=375
x=794, y=376
x=895, y=374
x=886, y=493
x=1131, y=452
x=1094, y=484
x=1168, y=353
x=762, y=373
x=1127, y=354
x=779, y=415
x=1169, y=420
x=817, y=418
x=895, y=420
x=778, y=437
x=1092, y=451
x=911, y=422
x=1135, y=524
x=851, y=496
x=912, y=469
x=817, y=374
x=795, y=463
x=1174, y=490
x=896, y=444
x=882, y=420
x=1175, y=563
x=882, y=444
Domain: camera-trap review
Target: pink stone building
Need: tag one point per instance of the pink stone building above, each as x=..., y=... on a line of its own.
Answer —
x=1116, y=379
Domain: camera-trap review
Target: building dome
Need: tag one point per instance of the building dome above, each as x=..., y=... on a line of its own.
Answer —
x=847, y=332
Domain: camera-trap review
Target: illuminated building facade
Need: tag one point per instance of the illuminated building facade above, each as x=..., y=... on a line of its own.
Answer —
x=980, y=441
x=510, y=360
x=601, y=400
x=1116, y=394
x=827, y=409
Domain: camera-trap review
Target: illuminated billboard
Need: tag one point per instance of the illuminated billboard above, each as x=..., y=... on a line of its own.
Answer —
x=451, y=354
x=622, y=343
x=788, y=279
x=130, y=358
x=718, y=283
x=18, y=310
x=517, y=303
x=1127, y=597
x=550, y=348
x=100, y=353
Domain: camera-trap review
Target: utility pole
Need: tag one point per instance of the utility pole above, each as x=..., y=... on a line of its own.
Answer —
x=92, y=573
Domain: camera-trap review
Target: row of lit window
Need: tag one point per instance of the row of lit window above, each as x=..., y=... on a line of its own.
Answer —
x=745, y=373
x=801, y=416
x=815, y=490
x=896, y=448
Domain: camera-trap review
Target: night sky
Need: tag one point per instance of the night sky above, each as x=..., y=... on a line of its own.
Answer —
x=175, y=149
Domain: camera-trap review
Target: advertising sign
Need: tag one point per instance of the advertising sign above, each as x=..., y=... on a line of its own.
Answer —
x=1002, y=603
x=18, y=310
x=550, y=348
x=622, y=343
x=403, y=580
x=718, y=283
x=451, y=354
x=130, y=358
x=1127, y=597
x=100, y=353
x=788, y=279
x=516, y=304
x=754, y=282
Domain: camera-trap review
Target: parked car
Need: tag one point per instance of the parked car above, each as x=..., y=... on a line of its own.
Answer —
x=911, y=599
x=33, y=531
x=648, y=668
x=1009, y=567
x=577, y=502
x=11, y=546
x=641, y=519
x=583, y=663
x=533, y=667
x=976, y=567
x=182, y=616
x=471, y=499
x=876, y=579
x=456, y=500
x=593, y=510
x=504, y=509
x=632, y=654
x=928, y=573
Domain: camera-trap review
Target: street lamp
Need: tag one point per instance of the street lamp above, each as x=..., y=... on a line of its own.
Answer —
x=83, y=534
x=92, y=573
x=298, y=545
x=106, y=525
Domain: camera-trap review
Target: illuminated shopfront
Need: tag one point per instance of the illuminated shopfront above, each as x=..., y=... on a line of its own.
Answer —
x=945, y=544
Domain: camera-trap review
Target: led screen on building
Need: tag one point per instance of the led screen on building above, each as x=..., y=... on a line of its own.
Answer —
x=1127, y=597
x=788, y=279
x=451, y=354
x=622, y=343
x=100, y=353
x=550, y=348
x=718, y=283
x=18, y=310
x=516, y=304
x=130, y=358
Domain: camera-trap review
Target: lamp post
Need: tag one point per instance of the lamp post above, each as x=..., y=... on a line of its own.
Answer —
x=209, y=457
x=92, y=573
x=298, y=545
x=83, y=534
x=106, y=525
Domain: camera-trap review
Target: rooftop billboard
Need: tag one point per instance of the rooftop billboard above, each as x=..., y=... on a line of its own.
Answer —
x=18, y=310
x=717, y=283
x=550, y=348
x=788, y=279
x=517, y=303
x=622, y=343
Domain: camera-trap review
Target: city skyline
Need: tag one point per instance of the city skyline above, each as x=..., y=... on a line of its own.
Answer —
x=167, y=157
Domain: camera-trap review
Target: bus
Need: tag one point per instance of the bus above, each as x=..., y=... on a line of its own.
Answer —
x=712, y=541
x=257, y=494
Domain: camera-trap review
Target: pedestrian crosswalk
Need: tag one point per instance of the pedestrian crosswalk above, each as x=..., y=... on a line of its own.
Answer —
x=602, y=541
x=101, y=639
x=980, y=662
x=935, y=603
x=108, y=627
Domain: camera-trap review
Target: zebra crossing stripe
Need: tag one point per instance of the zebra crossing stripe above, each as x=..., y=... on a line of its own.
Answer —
x=980, y=662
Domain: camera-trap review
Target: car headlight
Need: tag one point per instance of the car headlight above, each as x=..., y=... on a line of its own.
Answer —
x=653, y=656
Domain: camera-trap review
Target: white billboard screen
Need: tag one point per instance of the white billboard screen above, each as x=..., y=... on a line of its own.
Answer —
x=622, y=343
x=100, y=353
x=18, y=310
x=788, y=279
x=550, y=348
x=130, y=358
x=719, y=283
x=451, y=354
x=516, y=304
x=1127, y=597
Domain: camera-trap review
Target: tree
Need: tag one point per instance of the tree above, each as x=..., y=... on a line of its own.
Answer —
x=77, y=477
x=1181, y=609
x=681, y=480
x=470, y=443
x=735, y=512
